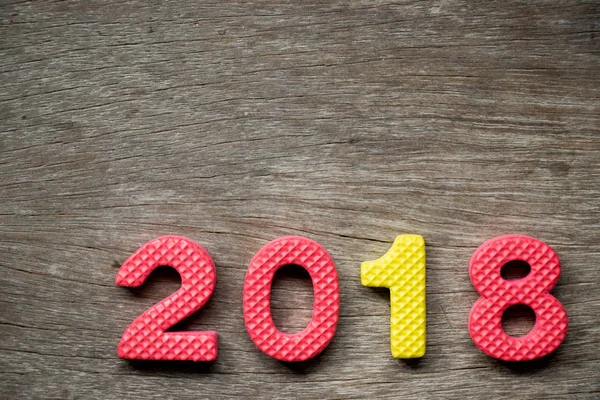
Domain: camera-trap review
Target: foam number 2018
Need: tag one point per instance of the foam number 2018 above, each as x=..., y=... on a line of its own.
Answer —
x=401, y=269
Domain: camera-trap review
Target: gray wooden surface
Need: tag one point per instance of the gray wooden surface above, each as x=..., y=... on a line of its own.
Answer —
x=234, y=123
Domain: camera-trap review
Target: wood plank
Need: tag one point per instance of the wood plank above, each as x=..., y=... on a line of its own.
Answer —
x=234, y=123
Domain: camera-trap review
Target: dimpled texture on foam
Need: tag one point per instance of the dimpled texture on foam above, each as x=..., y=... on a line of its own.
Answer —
x=257, y=299
x=402, y=270
x=498, y=294
x=145, y=338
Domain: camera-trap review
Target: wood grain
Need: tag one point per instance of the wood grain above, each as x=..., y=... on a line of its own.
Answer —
x=234, y=123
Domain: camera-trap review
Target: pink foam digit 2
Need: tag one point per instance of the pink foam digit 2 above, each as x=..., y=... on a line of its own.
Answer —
x=498, y=294
x=318, y=334
x=145, y=338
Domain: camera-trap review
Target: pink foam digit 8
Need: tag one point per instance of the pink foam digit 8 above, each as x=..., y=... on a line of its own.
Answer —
x=257, y=299
x=497, y=294
x=145, y=338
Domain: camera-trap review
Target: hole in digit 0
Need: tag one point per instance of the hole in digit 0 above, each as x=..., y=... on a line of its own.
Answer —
x=292, y=299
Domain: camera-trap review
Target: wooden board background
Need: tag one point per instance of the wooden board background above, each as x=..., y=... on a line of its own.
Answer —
x=234, y=123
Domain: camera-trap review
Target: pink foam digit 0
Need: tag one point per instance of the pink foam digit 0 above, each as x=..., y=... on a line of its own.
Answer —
x=498, y=294
x=145, y=338
x=257, y=299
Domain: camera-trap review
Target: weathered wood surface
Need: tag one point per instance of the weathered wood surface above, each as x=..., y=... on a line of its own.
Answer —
x=236, y=122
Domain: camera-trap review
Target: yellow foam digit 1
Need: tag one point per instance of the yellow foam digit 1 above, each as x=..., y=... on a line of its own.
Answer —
x=402, y=270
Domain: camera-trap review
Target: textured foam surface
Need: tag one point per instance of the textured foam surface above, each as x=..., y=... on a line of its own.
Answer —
x=257, y=299
x=402, y=270
x=145, y=338
x=485, y=319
